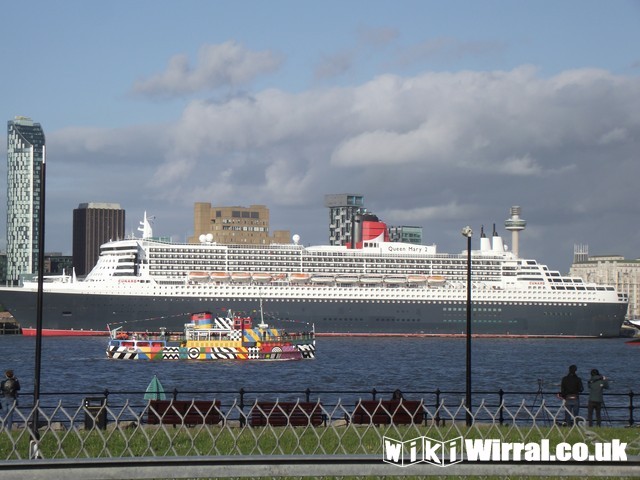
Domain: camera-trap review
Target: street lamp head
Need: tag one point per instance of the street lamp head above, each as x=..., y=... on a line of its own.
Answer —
x=467, y=232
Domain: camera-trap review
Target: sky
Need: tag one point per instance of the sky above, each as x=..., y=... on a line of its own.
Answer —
x=441, y=114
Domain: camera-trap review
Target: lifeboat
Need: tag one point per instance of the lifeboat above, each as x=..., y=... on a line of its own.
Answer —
x=299, y=277
x=436, y=280
x=219, y=276
x=395, y=279
x=346, y=279
x=371, y=279
x=198, y=276
x=416, y=279
x=261, y=277
x=240, y=276
x=323, y=279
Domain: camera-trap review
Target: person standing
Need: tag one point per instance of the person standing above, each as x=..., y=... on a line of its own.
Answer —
x=597, y=383
x=9, y=388
x=570, y=389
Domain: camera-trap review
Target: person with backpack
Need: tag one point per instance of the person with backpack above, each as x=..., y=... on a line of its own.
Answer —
x=597, y=383
x=9, y=388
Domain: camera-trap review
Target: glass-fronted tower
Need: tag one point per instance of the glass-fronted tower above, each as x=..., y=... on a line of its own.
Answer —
x=25, y=153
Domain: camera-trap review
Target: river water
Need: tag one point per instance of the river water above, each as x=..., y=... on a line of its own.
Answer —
x=341, y=364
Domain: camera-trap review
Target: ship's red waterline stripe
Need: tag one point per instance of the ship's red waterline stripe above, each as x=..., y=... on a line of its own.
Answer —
x=51, y=332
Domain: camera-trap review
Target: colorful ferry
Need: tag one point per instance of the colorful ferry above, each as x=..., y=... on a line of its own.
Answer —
x=231, y=337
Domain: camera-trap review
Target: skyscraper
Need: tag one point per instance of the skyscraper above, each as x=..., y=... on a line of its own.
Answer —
x=25, y=154
x=343, y=211
x=93, y=225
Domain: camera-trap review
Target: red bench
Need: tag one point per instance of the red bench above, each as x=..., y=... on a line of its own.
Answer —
x=397, y=412
x=184, y=412
x=286, y=413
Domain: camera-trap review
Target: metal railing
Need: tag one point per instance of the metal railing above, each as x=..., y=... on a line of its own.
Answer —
x=618, y=408
x=288, y=433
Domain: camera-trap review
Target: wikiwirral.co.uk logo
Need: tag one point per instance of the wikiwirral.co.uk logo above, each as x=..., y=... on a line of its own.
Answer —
x=422, y=449
x=447, y=452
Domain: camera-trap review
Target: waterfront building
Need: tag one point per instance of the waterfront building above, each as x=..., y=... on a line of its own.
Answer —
x=344, y=209
x=235, y=225
x=611, y=270
x=406, y=234
x=93, y=225
x=25, y=154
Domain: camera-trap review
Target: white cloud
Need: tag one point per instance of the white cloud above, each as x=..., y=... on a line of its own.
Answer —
x=613, y=136
x=225, y=65
x=440, y=150
x=524, y=165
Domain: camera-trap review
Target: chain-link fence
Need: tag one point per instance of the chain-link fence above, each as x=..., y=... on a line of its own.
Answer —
x=102, y=437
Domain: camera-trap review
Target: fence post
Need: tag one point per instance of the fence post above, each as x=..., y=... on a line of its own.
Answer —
x=501, y=414
x=438, y=408
x=243, y=419
x=373, y=394
x=307, y=394
x=631, y=421
x=175, y=394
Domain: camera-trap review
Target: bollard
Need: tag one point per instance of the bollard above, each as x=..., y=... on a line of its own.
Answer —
x=95, y=413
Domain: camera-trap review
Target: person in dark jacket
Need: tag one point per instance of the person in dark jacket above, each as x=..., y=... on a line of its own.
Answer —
x=570, y=389
x=597, y=383
x=9, y=397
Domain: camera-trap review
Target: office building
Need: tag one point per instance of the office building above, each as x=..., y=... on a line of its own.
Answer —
x=344, y=209
x=25, y=154
x=406, y=234
x=93, y=225
x=235, y=225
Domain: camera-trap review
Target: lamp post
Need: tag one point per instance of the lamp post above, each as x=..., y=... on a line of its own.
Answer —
x=467, y=232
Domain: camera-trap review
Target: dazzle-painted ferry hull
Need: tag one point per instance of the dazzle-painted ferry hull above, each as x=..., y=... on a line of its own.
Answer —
x=207, y=338
x=340, y=316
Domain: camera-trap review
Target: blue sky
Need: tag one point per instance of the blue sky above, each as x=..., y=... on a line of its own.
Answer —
x=441, y=114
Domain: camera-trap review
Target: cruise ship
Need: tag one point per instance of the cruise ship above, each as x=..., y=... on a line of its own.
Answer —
x=373, y=287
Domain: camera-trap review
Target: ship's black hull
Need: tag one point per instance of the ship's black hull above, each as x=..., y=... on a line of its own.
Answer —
x=358, y=317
